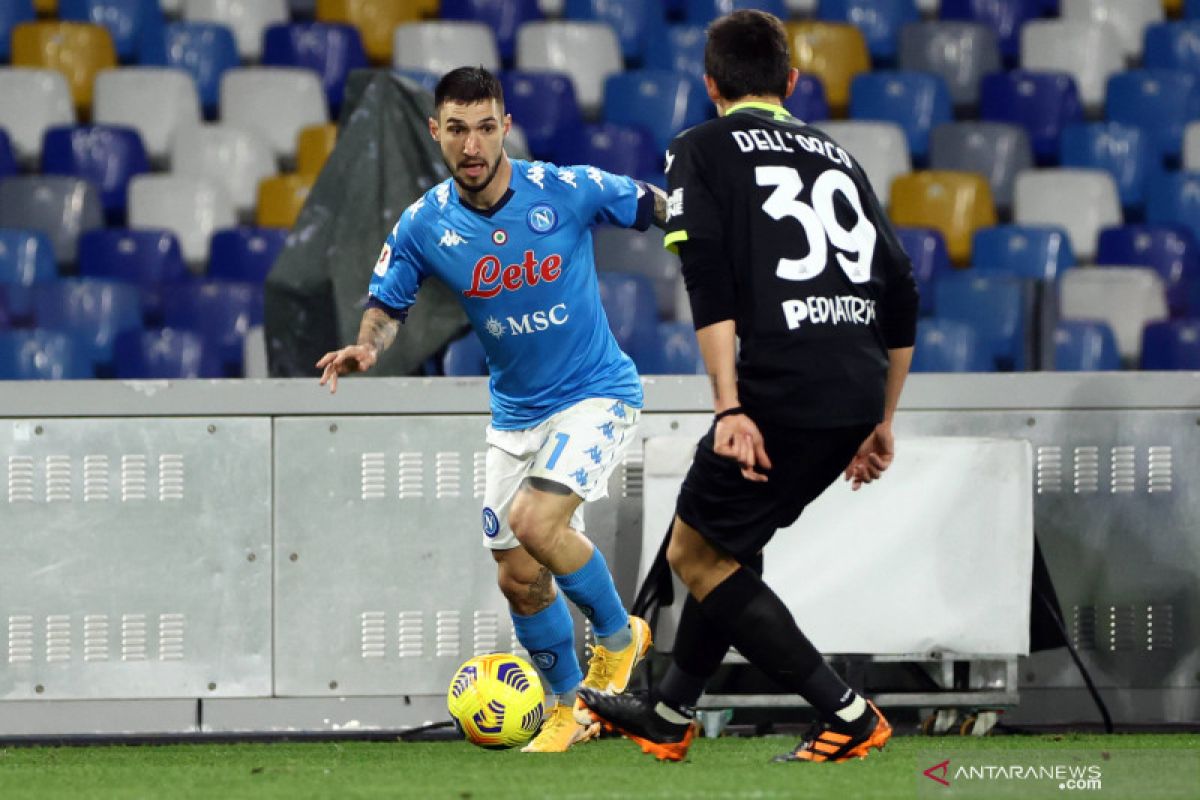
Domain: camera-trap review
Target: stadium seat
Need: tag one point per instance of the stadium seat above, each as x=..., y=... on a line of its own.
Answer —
x=544, y=102
x=834, y=52
x=587, y=51
x=1171, y=345
x=163, y=353
x=640, y=253
x=423, y=78
x=45, y=102
x=681, y=48
x=1027, y=251
x=916, y=101
x=244, y=254
x=148, y=259
x=26, y=258
x=1005, y=17
x=107, y=155
x=879, y=20
x=926, y=249
x=678, y=351
x=438, y=45
x=1170, y=250
x=235, y=158
x=961, y=53
x=502, y=16
x=880, y=148
x=807, y=100
x=59, y=206
x=40, y=355
x=954, y=203
x=948, y=345
x=619, y=149
x=1128, y=18
x=1043, y=103
x=12, y=13
x=640, y=24
x=280, y=199
x=1175, y=198
x=274, y=102
x=1173, y=45
x=465, y=356
x=156, y=101
x=375, y=20
x=314, y=144
x=998, y=306
x=92, y=311
x=246, y=18
x=8, y=159
x=996, y=150
x=136, y=26
x=192, y=208
x=78, y=50
x=1121, y=150
x=630, y=307
x=702, y=12
x=1085, y=346
x=221, y=313
x=1126, y=298
x=329, y=49
x=46, y=7
x=1089, y=51
x=203, y=50
x=664, y=103
x=1052, y=197
x=1161, y=102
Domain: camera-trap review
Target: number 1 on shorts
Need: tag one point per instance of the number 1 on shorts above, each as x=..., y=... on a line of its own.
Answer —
x=558, y=448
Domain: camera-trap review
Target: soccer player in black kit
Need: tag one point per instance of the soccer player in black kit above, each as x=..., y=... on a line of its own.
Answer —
x=786, y=251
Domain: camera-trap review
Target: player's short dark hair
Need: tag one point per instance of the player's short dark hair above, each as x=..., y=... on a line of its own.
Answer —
x=467, y=85
x=747, y=54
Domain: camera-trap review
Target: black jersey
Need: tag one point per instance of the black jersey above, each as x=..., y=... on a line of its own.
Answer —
x=779, y=230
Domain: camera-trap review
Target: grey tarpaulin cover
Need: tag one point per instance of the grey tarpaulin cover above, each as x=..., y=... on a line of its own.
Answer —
x=383, y=161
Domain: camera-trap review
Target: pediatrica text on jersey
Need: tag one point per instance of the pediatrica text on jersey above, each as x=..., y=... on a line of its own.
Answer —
x=490, y=277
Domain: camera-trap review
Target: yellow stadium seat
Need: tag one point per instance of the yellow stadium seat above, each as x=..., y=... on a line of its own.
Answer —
x=1172, y=8
x=46, y=8
x=955, y=203
x=313, y=146
x=280, y=199
x=835, y=52
x=375, y=20
x=78, y=50
x=430, y=8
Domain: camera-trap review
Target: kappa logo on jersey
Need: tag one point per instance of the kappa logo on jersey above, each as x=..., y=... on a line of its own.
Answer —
x=847, y=308
x=451, y=238
x=490, y=277
x=567, y=176
x=541, y=218
x=385, y=261
x=596, y=175
x=537, y=175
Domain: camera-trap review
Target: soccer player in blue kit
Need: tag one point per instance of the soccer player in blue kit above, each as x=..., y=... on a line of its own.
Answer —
x=513, y=239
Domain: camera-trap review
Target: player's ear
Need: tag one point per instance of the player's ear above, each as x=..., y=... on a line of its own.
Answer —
x=433, y=128
x=710, y=86
x=507, y=123
x=793, y=76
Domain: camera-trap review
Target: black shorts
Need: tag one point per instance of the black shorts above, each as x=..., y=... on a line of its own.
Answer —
x=740, y=516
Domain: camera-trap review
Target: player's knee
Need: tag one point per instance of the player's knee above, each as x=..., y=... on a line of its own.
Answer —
x=531, y=529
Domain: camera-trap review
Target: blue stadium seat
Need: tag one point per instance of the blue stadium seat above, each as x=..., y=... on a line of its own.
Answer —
x=807, y=101
x=702, y=12
x=926, y=248
x=61, y=207
x=12, y=13
x=90, y=310
x=502, y=16
x=629, y=304
x=1171, y=345
x=8, y=160
x=545, y=107
x=36, y=355
x=620, y=149
x=664, y=103
x=1172, y=45
x=916, y=101
x=220, y=312
x=422, y=77
x=947, y=345
x=639, y=24
x=205, y=50
x=163, y=353
x=879, y=20
x=1175, y=198
x=678, y=351
x=1122, y=150
x=465, y=356
x=149, y=259
x=244, y=254
x=1027, y=251
x=1191, y=9
x=329, y=49
x=681, y=49
x=1171, y=250
x=1004, y=16
x=1085, y=346
x=26, y=257
x=108, y=156
x=997, y=305
x=1041, y=102
x=1160, y=101
x=136, y=26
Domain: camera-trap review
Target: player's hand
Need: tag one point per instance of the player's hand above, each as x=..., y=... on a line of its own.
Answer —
x=873, y=458
x=738, y=438
x=354, y=358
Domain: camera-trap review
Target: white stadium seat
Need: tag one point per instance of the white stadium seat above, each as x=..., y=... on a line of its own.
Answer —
x=1125, y=297
x=157, y=101
x=880, y=148
x=236, y=158
x=274, y=102
x=1128, y=18
x=247, y=18
x=1080, y=200
x=191, y=207
x=439, y=47
x=1089, y=51
x=1191, y=146
x=44, y=101
x=587, y=51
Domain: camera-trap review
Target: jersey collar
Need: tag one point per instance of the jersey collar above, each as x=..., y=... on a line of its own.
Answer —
x=778, y=112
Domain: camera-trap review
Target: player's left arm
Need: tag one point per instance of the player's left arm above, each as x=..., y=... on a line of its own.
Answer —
x=660, y=206
x=602, y=197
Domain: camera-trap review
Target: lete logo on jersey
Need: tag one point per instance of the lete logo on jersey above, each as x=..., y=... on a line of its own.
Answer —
x=489, y=277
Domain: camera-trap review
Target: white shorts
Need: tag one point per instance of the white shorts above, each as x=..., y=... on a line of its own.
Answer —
x=579, y=447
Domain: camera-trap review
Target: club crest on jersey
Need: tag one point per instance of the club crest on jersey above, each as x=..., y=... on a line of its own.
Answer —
x=491, y=523
x=499, y=236
x=490, y=276
x=541, y=218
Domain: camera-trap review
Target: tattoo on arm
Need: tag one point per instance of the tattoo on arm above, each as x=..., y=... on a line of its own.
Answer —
x=541, y=591
x=660, y=206
x=377, y=330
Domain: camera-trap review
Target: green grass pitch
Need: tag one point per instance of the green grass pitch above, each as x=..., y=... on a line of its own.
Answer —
x=730, y=767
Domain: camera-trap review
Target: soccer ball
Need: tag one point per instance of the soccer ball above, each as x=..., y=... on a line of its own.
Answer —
x=496, y=701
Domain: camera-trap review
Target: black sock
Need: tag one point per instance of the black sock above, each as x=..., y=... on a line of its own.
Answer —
x=696, y=656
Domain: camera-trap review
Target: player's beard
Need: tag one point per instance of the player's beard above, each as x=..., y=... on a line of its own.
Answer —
x=485, y=180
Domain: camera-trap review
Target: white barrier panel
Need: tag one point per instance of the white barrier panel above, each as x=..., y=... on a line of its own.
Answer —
x=935, y=557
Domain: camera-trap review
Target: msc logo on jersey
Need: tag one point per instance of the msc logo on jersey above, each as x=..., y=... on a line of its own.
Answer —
x=541, y=218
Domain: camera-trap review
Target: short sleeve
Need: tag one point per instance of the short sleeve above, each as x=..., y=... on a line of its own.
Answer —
x=602, y=197
x=692, y=209
x=400, y=269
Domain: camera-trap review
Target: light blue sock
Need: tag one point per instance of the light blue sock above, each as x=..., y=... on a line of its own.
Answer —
x=591, y=588
x=549, y=636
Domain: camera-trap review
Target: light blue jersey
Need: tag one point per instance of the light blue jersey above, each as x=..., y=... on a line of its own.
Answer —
x=524, y=273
